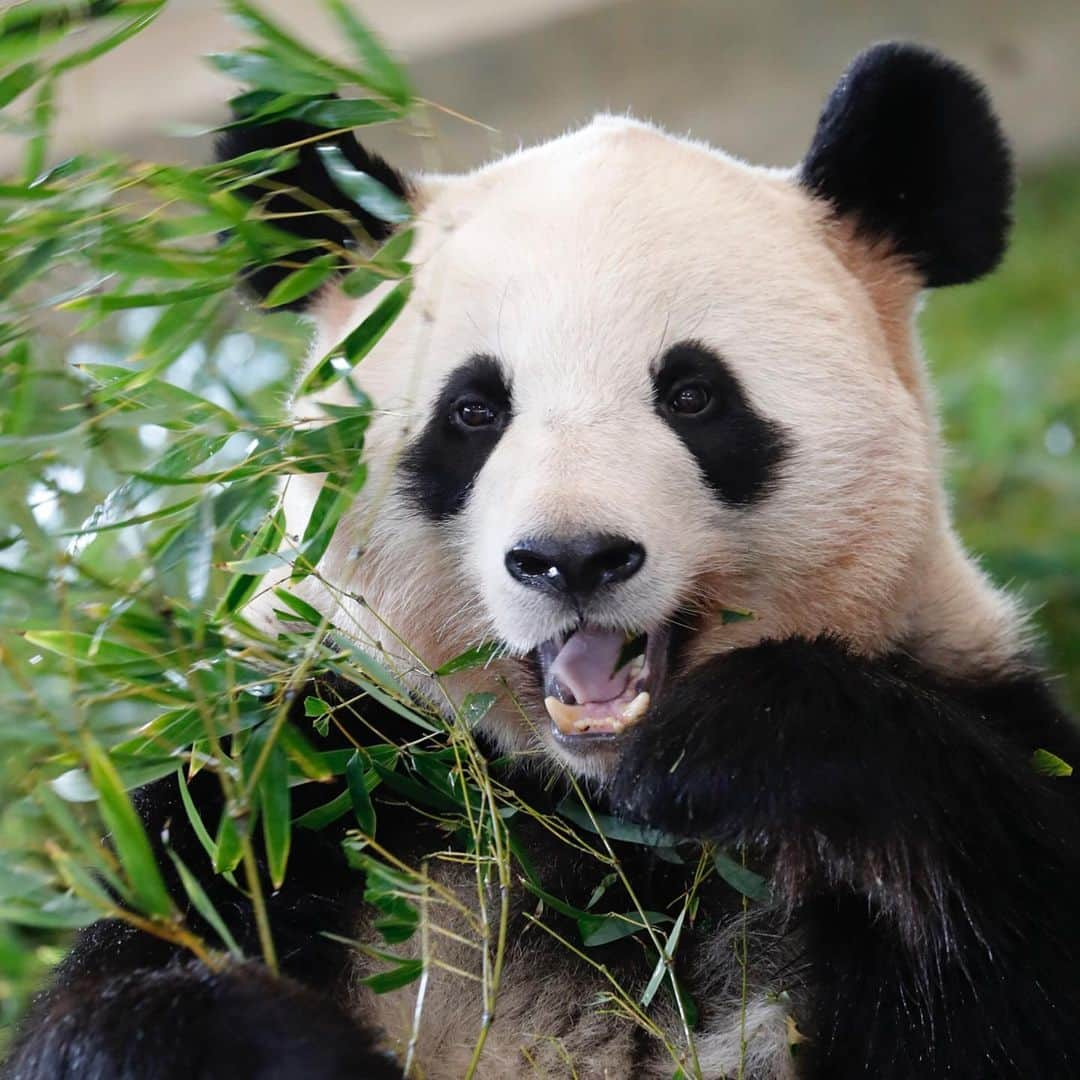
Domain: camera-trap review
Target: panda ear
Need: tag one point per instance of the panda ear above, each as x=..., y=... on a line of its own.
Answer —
x=908, y=146
x=306, y=185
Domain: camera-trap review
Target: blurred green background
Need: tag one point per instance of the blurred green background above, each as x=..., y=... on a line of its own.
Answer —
x=1005, y=354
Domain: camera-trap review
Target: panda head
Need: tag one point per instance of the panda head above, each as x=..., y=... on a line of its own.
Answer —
x=641, y=386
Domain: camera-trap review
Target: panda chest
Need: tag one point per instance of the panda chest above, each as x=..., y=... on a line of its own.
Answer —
x=492, y=980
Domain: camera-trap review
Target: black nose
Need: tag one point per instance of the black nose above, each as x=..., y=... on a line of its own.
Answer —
x=577, y=566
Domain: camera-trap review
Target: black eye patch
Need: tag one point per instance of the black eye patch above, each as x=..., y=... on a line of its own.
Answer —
x=473, y=410
x=739, y=450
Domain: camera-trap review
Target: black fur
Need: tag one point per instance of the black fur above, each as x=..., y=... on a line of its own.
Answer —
x=738, y=450
x=934, y=873
x=440, y=466
x=182, y=1021
x=908, y=145
x=338, y=224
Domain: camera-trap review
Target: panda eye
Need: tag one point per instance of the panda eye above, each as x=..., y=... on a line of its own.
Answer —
x=689, y=399
x=473, y=413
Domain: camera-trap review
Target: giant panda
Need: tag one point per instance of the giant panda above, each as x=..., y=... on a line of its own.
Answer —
x=640, y=384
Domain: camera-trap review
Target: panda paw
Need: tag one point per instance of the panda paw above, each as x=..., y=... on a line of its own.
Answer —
x=788, y=738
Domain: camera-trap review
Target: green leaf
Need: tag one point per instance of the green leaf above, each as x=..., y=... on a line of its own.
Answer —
x=663, y=964
x=309, y=761
x=734, y=615
x=228, y=849
x=198, y=826
x=605, y=883
x=132, y=846
x=359, y=795
x=77, y=836
x=334, y=499
x=43, y=112
x=335, y=113
x=613, y=828
x=286, y=46
x=1047, y=764
x=384, y=75
x=303, y=281
x=553, y=902
x=475, y=707
x=359, y=343
x=604, y=929
x=204, y=905
x=163, y=298
x=15, y=82
x=276, y=804
x=266, y=541
x=87, y=648
x=480, y=656
x=324, y=815
x=404, y=973
x=302, y=608
x=261, y=68
x=29, y=266
x=743, y=881
x=367, y=192
x=145, y=14
x=330, y=447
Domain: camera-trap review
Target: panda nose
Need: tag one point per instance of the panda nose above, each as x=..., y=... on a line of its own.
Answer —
x=577, y=566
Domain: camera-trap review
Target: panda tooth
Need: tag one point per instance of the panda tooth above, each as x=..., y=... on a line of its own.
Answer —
x=565, y=716
x=637, y=708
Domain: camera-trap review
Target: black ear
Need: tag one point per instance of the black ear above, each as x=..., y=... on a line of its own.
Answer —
x=909, y=146
x=309, y=176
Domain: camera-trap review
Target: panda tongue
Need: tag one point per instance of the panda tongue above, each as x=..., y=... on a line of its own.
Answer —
x=585, y=665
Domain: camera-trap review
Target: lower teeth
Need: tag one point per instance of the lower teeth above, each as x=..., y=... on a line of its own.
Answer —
x=568, y=720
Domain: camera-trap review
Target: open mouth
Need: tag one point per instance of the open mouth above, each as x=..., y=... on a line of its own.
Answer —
x=599, y=682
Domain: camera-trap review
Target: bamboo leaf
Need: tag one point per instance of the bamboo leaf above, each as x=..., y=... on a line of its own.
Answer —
x=334, y=498
x=263, y=69
x=359, y=343
x=383, y=74
x=15, y=82
x=204, y=906
x=305, y=756
x=359, y=795
x=384, y=981
x=1047, y=764
x=604, y=929
x=303, y=281
x=276, y=804
x=267, y=540
x=228, y=849
x=480, y=656
x=367, y=192
x=743, y=881
x=132, y=846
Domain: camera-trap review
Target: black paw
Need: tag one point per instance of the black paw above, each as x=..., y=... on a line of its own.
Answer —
x=796, y=735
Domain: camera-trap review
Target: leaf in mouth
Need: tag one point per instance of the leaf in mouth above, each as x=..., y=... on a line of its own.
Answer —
x=631, y=650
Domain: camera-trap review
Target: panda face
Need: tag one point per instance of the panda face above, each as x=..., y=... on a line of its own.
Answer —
x=639, y=385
